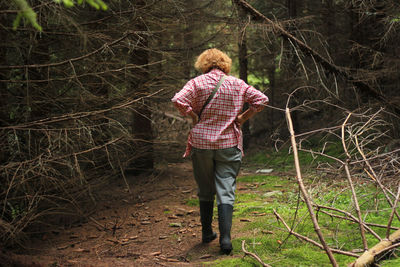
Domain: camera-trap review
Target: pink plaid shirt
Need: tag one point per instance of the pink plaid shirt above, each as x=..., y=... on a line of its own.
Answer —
x=217, y=128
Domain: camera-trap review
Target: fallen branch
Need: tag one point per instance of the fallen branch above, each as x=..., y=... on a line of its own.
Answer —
x=168, y=115
x=393, y=211
x=68, y=61
x=253, y=255
x=389, y=248
x=304, y=191
x=315, y=243
x=79, y=115
x=375, y=177
x=369, y=257
x=40, y=159
x=351, y=219
x=354, y=219
x=331, y=67
x=353, y=191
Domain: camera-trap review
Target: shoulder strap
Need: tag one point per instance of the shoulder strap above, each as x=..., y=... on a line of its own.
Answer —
x=212, y=94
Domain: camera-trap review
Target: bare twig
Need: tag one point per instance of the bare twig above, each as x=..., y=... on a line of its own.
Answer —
x=338, y=251
x=389, y=248
x=79, y=115
x=393, y=211
x=123, y=176
x=69, y=61
x=375, y=178
x=253, y=255
x=328, y=65
x=353, y=219
x=304, y=191
x=353, y=191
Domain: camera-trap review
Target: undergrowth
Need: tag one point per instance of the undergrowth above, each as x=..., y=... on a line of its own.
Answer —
x=258, y=195
x=282, y=160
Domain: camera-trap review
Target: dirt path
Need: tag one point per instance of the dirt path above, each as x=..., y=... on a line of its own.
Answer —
x=150, y=226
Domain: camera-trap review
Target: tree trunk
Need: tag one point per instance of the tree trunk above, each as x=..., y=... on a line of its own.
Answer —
x=243, y=71
x=4, y=112
x=188, y=41
x=3, y=74
x=271, y=78
x=143, y=158
x=367, y=32
x=292, y=64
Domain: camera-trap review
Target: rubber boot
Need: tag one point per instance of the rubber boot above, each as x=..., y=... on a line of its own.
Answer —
x=225, y=224
x=206, y=214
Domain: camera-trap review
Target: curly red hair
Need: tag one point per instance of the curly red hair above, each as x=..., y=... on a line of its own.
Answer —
x=213, y=58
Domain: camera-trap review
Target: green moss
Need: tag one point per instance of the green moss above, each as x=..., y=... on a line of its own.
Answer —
x=265, y=236
x=193, y=202
x=235, y=262
x=282, y=160
x=390, y=263
x=268, y=249
x=276, y=247
x=269, y=180
x=246, y=198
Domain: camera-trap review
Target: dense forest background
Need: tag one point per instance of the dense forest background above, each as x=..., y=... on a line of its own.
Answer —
x=85, y=93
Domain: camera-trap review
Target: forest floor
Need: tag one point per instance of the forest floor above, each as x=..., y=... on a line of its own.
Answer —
x=156, y=222
x=153, y=225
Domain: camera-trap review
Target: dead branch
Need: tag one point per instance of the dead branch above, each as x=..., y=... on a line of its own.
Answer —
x=95, y=74
x=375, y=177
x=354, y=219
x=368, y=258
x=393, y=211
x=80, y=115
x=321, y=154
x=353, y=192
x=299, y=236
x=389, y=248
x=304, y=191
x=169, y=115
x=330, y=66
x=69, y=61
x=40, y=160
x=253, y=255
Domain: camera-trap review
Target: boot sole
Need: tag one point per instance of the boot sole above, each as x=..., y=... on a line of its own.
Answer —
x=209, y=238
x=226, y=251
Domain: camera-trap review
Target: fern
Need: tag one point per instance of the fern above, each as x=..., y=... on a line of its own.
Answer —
x=26, y=12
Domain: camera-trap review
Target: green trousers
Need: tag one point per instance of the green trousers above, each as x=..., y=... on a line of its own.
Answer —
x=215, y=172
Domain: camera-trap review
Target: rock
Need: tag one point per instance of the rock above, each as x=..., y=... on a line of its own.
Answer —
x=264, y=170
x=175, y=224
x=272, y=193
